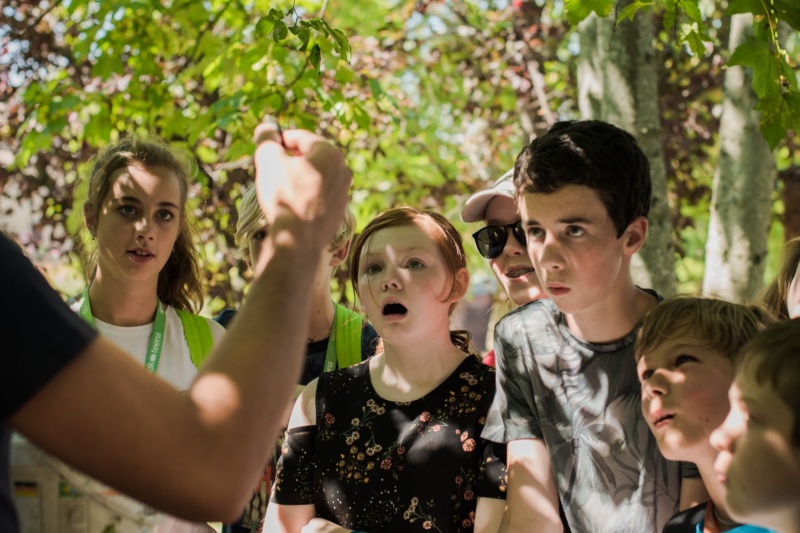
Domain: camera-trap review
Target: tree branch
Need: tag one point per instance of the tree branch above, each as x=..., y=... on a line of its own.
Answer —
x=21, y=35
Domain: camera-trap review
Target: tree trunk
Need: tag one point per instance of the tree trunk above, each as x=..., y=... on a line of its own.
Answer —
x=741, y=201
x=618, y=83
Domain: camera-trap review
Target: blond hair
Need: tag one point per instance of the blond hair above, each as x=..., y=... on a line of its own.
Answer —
x=725, y=326
x=252, y=219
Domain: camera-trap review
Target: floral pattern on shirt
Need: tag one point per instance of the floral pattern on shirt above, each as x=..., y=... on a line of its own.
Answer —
x=378, y=465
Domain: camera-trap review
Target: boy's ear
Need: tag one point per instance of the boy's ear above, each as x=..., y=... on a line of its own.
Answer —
x=89, y=219
x=340, y=254
x=634, y=235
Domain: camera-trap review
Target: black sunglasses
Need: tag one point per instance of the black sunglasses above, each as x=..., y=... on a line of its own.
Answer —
x=492, y=239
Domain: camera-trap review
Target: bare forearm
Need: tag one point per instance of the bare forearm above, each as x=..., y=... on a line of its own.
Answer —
x=194, y=455
x=532, y=496
x=246, y=387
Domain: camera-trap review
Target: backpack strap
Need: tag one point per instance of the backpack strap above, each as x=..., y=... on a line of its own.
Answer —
x=348, y=326
x=198, y=336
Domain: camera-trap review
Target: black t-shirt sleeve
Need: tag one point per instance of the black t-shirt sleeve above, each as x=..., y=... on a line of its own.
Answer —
x=39, y=333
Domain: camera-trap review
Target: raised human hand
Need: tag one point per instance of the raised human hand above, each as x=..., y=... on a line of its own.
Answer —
x=302, y=183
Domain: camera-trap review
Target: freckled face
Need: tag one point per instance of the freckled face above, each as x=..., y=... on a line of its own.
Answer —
x=512, y=268
x=684, y=395
x=404, y=283
x=138, y=223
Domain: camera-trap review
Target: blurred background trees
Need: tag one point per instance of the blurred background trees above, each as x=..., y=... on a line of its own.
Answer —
x=430, y=99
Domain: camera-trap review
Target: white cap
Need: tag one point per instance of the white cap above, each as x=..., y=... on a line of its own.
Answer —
x=475, y=208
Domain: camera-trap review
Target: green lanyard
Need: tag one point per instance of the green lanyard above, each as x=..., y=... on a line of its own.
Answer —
x=330, y=352
x=156, y=338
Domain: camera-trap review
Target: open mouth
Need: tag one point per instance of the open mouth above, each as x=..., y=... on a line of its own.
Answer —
x=517, y=272
x=394, y=309
x=663, y=418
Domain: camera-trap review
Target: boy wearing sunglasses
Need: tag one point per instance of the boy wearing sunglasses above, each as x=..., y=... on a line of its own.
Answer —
x=568, y=401
x=502, y=242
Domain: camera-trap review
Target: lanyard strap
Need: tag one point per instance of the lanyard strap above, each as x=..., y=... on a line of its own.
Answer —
x=156, y=338
x=330, y=352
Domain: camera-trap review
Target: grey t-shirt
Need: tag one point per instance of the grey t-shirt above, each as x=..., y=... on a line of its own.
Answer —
x=584, y=401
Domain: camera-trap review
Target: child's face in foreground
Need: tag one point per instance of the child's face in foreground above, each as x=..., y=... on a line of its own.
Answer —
x=405, y=285
x=684, y=394
x=574, y=247
x=757, y=462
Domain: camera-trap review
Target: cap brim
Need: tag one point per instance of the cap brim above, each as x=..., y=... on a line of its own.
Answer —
x=475, y=208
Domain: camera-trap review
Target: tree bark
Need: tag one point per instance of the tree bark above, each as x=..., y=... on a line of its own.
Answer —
x=741, y=202
x=618, y=83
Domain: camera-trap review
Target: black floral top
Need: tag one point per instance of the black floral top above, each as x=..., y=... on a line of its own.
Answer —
x=376, y=465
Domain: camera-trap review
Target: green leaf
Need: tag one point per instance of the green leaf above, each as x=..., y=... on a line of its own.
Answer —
x=788, y=11
x=670, y=14
x=314, y=57
x=695, y=43
x=736, y=7
x=304, y=35
x=280, y=31
x=264, y=26
x=361, y=117
x=375, y=87
x=692, y=11
x=629, y=11
x=343, y=47
x=755, y=53
x=778, y=115
x=578, y=10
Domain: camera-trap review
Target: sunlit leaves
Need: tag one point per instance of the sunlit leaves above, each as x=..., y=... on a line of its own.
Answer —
x=577, y=10
x=774, y=76
x=775, y=84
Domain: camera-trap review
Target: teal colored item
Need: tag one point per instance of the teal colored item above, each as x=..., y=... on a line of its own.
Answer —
x=744, y=528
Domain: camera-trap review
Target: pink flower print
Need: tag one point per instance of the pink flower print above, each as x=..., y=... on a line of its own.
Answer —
x=464, y=436
x=469, y=445
x=427, y=524
x=386, y=464
x=329, y=419
x=468, y=495
x=436, y=427
x=425, y=416
x=459, y=480
x=401, y=450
